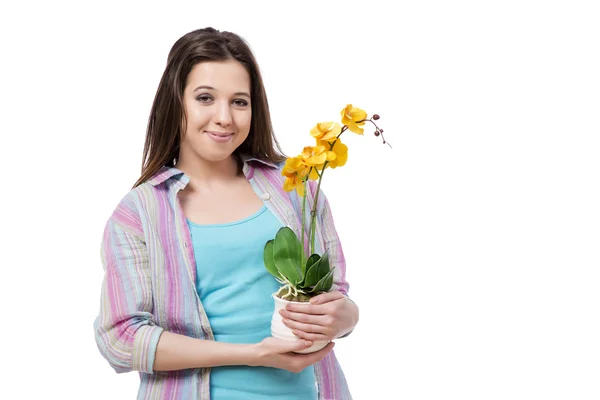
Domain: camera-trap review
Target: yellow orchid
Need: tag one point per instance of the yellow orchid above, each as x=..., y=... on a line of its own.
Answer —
x=295, y=171
x=316, y=156
x=354, y=118
x=295, y=166
x=326, y=130
x=294, y=182
x=340, y=150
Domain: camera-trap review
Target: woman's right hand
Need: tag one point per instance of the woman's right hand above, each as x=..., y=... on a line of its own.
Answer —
x=279, y=353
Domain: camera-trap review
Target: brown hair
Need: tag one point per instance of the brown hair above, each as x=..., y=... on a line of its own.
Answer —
x=164, y=131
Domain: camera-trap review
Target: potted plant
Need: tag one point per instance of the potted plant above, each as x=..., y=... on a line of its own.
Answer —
x=304, y=275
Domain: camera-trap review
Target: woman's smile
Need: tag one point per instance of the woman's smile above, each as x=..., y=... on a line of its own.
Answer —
x=219, y=137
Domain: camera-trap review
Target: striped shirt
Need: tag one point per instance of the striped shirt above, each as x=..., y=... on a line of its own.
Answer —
x=150, y=275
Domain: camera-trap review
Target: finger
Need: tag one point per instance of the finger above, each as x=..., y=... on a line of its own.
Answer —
x=326, y=297
x=308, y=328
x=286, y=346
x=306, y=308
x=304, y=318
x=319, y=355
x=312, y=336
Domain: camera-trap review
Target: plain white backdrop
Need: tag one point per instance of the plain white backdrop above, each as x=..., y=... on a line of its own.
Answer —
x=472, y=244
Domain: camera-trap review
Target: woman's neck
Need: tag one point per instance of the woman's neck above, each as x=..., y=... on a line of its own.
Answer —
x=203, y=172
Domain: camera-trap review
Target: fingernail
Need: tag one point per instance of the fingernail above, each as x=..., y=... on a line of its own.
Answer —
x=307, y=343
x=314, y=300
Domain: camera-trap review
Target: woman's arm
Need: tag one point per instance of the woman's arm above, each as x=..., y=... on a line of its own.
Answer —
x=176, y=352
x=347, y=311
x=126, y=331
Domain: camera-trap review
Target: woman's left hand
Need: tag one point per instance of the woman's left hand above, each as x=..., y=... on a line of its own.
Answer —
x=327, y=316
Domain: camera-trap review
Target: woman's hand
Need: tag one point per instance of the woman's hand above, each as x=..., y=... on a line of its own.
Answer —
x=327, y=317
x=279, y=353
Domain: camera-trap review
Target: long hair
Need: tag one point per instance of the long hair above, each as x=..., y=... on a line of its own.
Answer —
x=164, y=131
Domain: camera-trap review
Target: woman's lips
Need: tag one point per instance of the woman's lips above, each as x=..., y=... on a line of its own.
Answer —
x=219, y=137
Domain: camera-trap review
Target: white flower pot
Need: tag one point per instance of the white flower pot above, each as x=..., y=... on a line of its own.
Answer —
x=279, y=330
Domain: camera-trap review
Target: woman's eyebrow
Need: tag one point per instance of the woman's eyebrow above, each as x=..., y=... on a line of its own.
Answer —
x=212, y=88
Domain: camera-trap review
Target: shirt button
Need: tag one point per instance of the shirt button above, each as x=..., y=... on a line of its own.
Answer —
x=265, y=196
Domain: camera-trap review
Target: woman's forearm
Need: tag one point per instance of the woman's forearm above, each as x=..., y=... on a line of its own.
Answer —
x=175, y=352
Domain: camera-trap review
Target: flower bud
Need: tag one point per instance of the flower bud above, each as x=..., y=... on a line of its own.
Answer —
x=375, y=117
x=376, y=133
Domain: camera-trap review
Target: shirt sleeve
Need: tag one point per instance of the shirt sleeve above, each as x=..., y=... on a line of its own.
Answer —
x=336, y=254
x=332, y=243
x=126, y=333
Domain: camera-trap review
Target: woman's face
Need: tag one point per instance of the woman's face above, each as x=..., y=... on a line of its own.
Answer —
x=218, y=112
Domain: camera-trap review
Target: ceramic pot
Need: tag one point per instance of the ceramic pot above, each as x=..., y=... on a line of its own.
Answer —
x=279, y=330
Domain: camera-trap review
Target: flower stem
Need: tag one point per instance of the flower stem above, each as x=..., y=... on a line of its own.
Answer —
x=313, y=213
x=303, y=223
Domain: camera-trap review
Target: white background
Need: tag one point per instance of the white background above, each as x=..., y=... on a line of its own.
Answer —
x=472, y=244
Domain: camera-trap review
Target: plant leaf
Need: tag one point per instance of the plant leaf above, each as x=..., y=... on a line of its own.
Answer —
x=323, y=268
x=269, y=261
x=324, y=285
x=311, y=277
x=287, y=254
x=308, y=263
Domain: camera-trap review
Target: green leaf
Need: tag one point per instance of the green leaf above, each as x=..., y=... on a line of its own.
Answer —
x=287, y=254
x=269, y=261
x=324, y=285
x=323, y=268
x=308, y=263
x=311, y=266
x=317, y=271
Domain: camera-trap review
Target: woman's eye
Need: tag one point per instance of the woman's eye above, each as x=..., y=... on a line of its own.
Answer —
x=204, y=98
x=240, y=102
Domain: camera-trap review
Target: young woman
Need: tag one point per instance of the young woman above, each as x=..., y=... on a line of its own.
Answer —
x=186, y=298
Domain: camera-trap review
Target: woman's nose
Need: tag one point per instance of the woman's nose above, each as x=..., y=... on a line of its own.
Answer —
x=222, y=114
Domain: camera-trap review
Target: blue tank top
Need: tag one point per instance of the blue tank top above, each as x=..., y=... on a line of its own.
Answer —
x=235, y=289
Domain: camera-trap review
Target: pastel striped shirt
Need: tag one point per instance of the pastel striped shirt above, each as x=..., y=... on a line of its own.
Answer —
x=150, y=275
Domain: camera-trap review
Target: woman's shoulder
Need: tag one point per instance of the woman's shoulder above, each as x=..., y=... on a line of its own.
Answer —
x=270, y=173
x=145, y=197
x=262, y=162
x=127, y=209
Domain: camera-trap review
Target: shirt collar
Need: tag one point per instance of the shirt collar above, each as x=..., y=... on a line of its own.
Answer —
x=165, y=173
